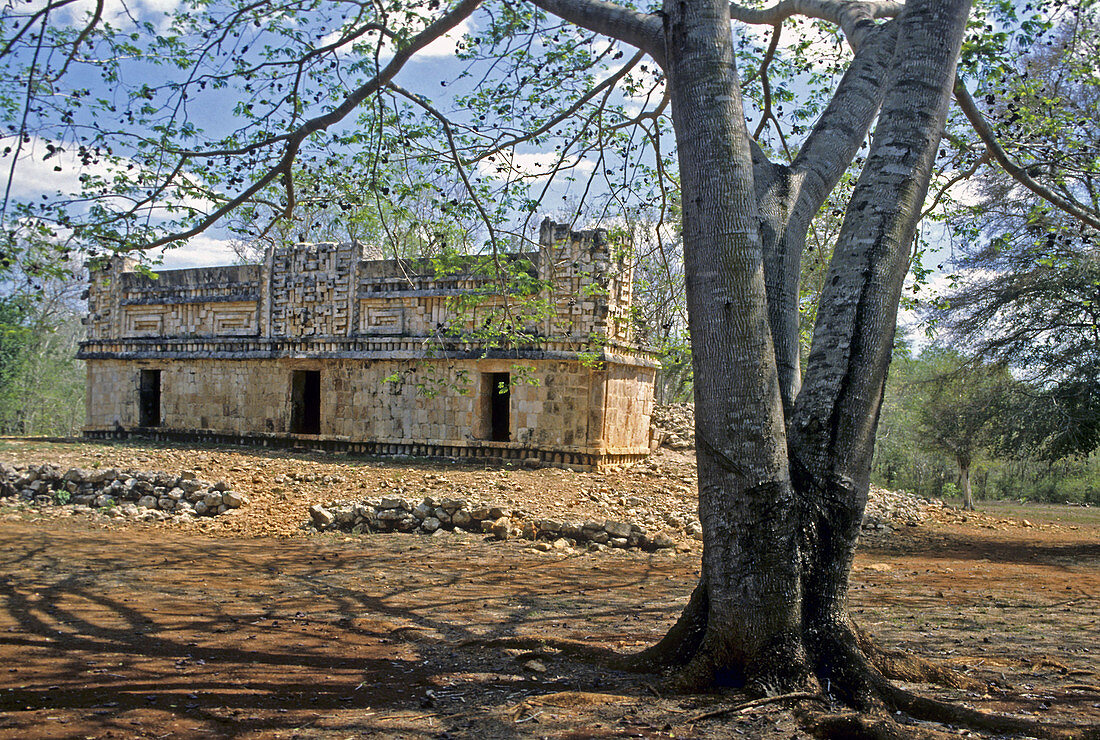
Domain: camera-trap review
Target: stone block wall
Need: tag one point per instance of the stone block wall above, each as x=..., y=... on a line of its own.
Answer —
x=627, y=406
x=209, y=301
x=312, y=290
x=555, y=405
x=590, y=284
x=328, y=290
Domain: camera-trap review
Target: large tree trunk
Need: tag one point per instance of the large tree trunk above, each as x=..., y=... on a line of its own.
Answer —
x=780, y=525
x=750, y=578
x=836, y=414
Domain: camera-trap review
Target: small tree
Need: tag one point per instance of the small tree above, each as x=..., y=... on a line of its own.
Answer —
x=964, y=410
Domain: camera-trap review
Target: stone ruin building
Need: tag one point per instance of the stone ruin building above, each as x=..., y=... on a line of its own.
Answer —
x=318, y=347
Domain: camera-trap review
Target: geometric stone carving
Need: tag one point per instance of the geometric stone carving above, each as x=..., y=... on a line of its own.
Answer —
x=381, y=320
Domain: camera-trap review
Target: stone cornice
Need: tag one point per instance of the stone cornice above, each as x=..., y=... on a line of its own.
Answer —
x=355, y=348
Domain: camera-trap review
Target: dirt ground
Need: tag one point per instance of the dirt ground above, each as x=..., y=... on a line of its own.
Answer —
x=246, y=626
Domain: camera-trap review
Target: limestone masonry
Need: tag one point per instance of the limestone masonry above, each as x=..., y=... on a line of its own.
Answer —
x=318, y=347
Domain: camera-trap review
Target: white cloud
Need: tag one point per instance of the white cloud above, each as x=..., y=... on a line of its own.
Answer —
x=447, y=44
x=534, y=165
x=36, y=175
x=198, y=251
x=120, y=13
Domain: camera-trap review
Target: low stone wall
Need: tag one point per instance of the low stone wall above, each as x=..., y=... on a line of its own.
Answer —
x=130, y=492
x=433, y=516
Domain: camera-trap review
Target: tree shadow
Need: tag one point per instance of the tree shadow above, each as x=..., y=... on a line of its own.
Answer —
x=977, y=544
x=124, y=628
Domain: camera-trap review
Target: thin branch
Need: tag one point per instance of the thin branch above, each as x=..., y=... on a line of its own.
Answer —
x=793, y=696
x=609, y=82
x=855, y=18
x=295, y=138
x=777, y=29
x=301, y=61
x=44, y=12
x=452, y=145
x=26, y=112
x=1018, y=173
x=964, y=175
x=485, y=217
x=97, y=16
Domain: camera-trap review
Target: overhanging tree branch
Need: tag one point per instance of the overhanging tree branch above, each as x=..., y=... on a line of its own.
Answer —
x=319, y=123
x=854, y=17
x=641, y=30
x=1018, y=173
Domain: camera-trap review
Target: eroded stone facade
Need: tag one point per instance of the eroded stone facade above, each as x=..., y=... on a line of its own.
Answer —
x=319, y=347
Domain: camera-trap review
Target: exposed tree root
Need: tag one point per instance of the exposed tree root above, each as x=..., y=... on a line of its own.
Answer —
x=702, y=671
x=681, y=643
x=861, y=726
x=923, y=707
x=903, y=666
x=870, y=689
x=856, y=671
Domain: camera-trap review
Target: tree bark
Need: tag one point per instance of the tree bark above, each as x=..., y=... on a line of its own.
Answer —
x=964, y=481
x=746, y=503
x=789, y=197
x=836, y=414
x=777, y=552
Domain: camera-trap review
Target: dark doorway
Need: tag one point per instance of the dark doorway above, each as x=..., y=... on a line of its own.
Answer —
x=500, y=395
x=305, y=402
x=149, y=398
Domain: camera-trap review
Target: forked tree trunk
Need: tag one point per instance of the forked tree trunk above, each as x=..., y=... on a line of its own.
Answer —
x=781, y=523
x=836, y=414
x=781, y=516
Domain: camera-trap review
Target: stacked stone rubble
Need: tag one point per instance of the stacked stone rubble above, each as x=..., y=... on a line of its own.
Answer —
x=674, y=425
x=887, y=510
x=132, y=492
x=431, y=515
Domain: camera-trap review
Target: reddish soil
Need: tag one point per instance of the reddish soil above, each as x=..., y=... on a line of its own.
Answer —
x=121, y=629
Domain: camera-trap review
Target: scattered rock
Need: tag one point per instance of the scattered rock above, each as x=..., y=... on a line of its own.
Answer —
x=144, y=494
x=887, y=510
x=674, y=425
x=392, y=514
x=321, y=516
x=500, y=528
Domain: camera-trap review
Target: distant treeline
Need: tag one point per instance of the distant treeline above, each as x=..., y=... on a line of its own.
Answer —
x=947, y=422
